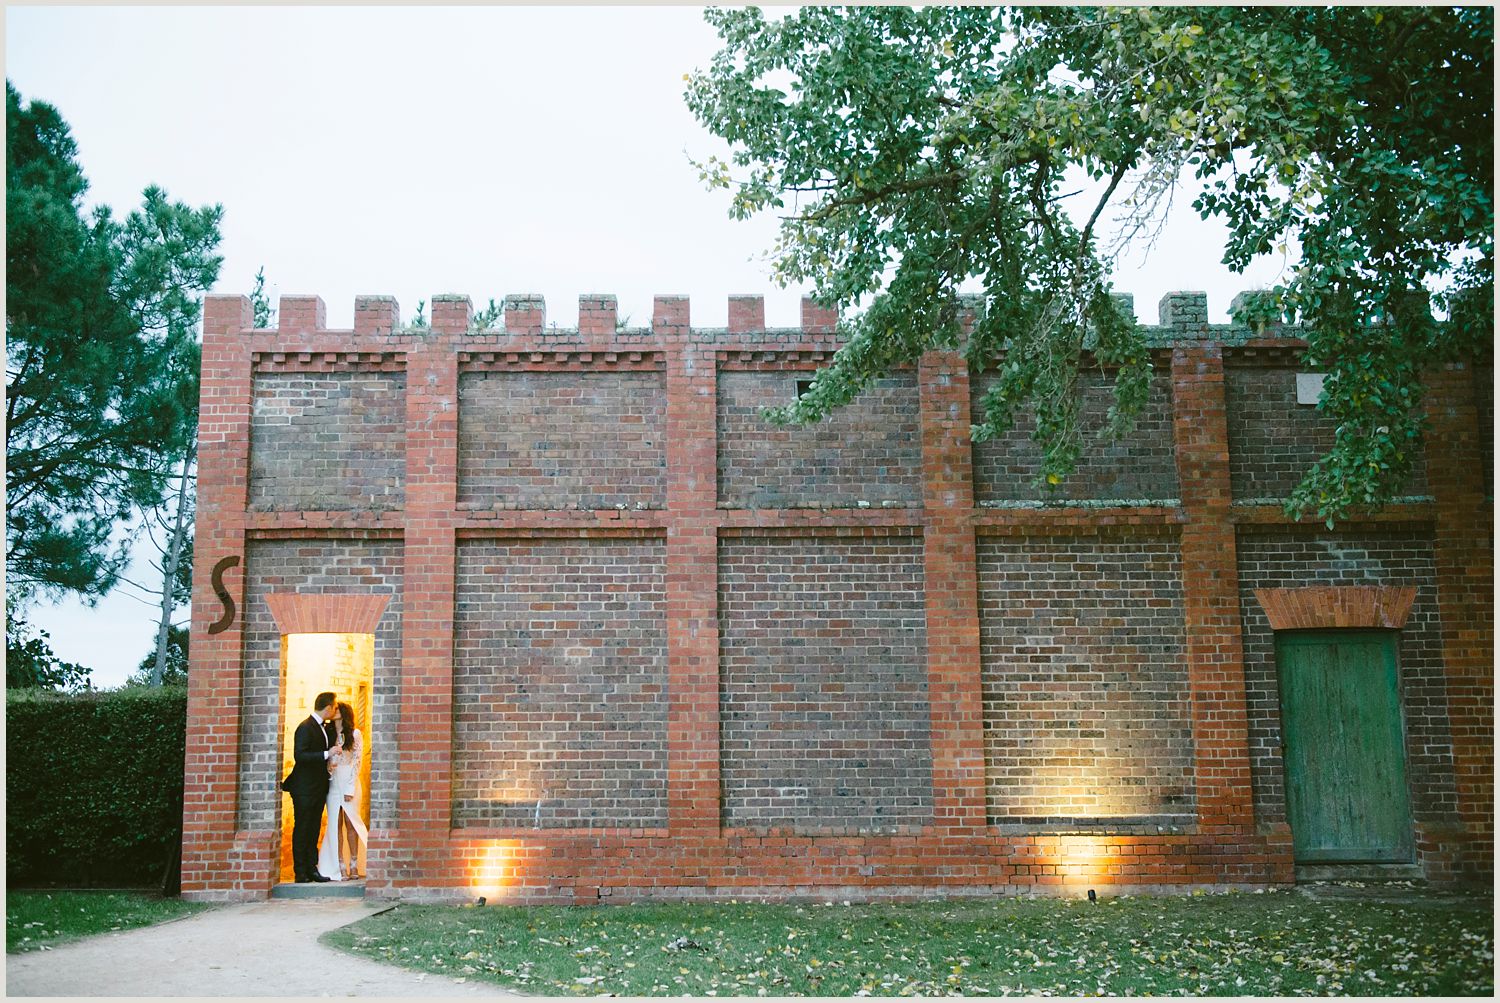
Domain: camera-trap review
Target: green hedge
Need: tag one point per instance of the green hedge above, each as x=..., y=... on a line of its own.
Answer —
x=93, y=786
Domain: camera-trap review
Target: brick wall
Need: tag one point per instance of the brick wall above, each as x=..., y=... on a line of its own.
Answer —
x=328, y=441
x=816, y=697
x=1484, y=400
x=1138, y=467
x=1273, y=440
x=313, y=566
x=868, y=453
x=824, y=717
x=1279, y=557
x=1087, y=711
x=572, y=439
x=559, y=684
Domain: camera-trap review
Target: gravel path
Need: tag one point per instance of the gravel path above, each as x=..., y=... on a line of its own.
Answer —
x=256, y=949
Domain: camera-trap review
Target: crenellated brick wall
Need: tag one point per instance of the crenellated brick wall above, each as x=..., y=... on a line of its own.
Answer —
x=642, y=643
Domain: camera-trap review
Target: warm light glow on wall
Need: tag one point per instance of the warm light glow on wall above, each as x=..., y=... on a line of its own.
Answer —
x=493, y=868
x=1084, y=859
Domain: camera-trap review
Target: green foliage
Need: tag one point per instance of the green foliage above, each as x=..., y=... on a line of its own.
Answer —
x=420, y=320
x=261, y=311
x=93, y=786
x=912, y=152
x=175, y=672
x=101, y=357
x=30, y=662
x=1275, y=944
x=488, y=317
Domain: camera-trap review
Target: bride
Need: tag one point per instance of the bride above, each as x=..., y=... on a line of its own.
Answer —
x=346, y=833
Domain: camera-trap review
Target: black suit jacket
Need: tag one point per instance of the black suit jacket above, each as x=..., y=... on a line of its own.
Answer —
x=309, y=776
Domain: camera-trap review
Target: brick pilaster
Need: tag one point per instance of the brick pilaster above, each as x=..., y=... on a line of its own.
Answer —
x=1210, y=575
x=1464, y=560
x=952, y=595
x=425, y=730
x=692, y=572
x=212, y=867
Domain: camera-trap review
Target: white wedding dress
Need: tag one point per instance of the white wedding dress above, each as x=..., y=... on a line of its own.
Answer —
x=343, y=780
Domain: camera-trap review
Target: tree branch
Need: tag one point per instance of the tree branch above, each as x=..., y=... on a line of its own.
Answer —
x=1114, y=182
x=895, y=188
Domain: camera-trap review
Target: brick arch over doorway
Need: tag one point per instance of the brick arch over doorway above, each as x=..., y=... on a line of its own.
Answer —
x=351, y=613
x=1322, y=607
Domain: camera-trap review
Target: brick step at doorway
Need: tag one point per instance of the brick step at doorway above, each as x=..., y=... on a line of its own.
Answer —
x=320, y=890
x=1358, y=872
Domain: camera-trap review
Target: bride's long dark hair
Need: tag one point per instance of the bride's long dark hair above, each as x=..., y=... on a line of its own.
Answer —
x=346, y=715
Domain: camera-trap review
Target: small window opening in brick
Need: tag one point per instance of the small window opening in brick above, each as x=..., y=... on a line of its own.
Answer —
x=1309, y=387
x=804, y=384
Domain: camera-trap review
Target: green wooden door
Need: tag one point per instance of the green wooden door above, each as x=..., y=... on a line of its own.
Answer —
x=1343, y=746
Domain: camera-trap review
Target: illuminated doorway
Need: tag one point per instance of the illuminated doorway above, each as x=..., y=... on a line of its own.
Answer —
x=313, y=663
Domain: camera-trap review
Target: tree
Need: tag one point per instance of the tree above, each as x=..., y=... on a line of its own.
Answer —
x=101, y=358
x=912, y=152
x=30, y=662
x=177, y=561
x=261, y=312
x=174, y=668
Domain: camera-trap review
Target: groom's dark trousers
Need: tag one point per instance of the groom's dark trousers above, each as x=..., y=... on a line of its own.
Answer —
x=308, y=786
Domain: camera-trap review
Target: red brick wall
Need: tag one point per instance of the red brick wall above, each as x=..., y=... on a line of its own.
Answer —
x=1464, y=559
x=1140, y=466
x=326, y=440
x=867, y=454
x=559, y=683
x=567, y=439
x=712, y=649
x=1086, y=701
x=824, y=721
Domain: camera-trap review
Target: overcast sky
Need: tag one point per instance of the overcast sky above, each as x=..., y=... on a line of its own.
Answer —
x=408, y=152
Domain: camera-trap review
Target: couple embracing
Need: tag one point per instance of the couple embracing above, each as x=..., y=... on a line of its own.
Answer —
x=327, y=750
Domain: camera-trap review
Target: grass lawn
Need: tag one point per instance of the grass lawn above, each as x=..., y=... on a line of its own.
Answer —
x=42, y=919
x=1275, y=943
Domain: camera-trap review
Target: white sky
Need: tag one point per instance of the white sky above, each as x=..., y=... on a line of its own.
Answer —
x=409, y=152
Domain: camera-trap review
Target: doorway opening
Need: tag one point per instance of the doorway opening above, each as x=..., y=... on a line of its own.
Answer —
x=343, y=664
x=1344, y=746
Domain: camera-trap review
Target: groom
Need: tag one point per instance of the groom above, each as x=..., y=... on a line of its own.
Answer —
x=308, y=786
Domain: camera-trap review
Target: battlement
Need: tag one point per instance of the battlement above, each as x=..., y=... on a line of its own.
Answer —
x=1181, y=317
